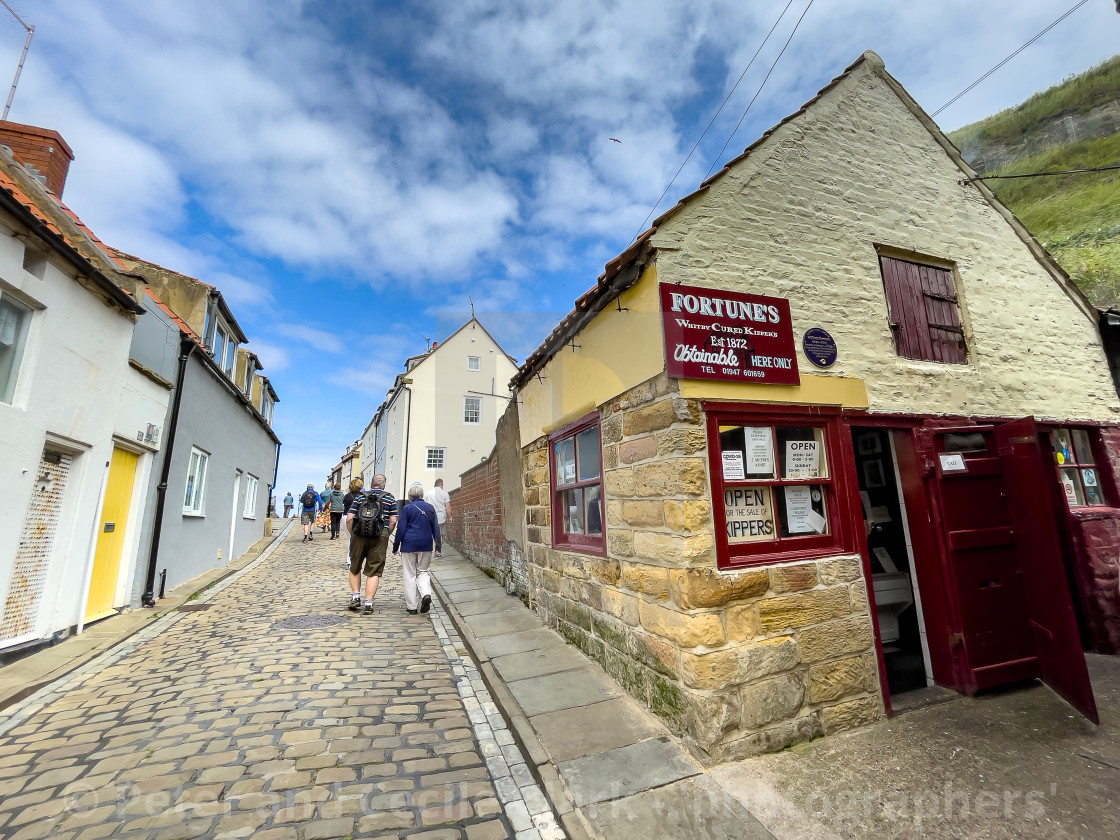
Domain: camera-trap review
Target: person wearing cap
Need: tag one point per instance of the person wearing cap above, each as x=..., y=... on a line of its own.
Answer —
x=310, y=503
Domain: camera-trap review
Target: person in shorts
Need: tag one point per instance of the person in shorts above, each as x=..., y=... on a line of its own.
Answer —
x=309, y=504
x=367, y=554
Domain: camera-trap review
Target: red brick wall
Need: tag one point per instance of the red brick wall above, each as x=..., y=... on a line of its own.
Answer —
x=41, y=148
x=476, y=524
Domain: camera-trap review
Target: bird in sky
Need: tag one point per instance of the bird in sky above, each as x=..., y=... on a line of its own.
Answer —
x=615, y=139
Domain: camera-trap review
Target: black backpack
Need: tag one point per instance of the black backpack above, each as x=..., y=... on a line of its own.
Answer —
x=307, y=499
x=368, y=522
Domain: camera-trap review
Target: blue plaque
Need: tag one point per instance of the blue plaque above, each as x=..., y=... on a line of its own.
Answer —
x=819, y=347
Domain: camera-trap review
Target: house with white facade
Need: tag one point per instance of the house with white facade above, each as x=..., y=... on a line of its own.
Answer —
x=438, y=419
x=81, y=426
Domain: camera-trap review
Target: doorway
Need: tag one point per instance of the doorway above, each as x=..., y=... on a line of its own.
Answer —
x=902, y=632
x=111, y=531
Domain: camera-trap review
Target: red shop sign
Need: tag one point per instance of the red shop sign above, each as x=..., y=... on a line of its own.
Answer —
x=715, y=334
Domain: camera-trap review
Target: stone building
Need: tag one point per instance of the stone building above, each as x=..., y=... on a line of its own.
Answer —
x=818, y=439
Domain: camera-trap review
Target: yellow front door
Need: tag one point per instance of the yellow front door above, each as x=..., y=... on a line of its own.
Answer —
x=110, y=535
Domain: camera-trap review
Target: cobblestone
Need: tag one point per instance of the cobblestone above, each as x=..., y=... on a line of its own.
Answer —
x=216, y=724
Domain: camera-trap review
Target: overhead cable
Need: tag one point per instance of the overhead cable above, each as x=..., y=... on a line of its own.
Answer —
x=1076, y=6
x=1037, y=174
x=713, y=119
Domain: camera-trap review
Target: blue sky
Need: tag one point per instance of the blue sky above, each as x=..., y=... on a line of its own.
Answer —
x=349, y=171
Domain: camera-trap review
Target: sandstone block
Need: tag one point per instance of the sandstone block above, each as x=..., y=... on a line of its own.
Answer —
x=793, y=578
x=850, y=714
x=664, y=548
x=687, y=516
x=741, y=623
x=603, y=569
x=656, y=654
x=620, y=483
x=803, y=609
x=857, y=594
x=620, y=543
x=648, y=580
x=688, y=631
x=841, y=570
x=681, y=442
x=639, y=449
x=836, y=680
x=711, y=716
x=710, y=670
x=767, y=656
x=610, y=456
x=610, y=430
x=835, y=639
x=769, y=740
x=771, y=700
x=614, y=512
x=649, y=418
x=675, y=477
x=694, y=588
x=622, y=606
x=642, y=513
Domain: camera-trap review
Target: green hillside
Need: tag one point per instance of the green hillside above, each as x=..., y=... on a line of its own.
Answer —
x=1076, y=217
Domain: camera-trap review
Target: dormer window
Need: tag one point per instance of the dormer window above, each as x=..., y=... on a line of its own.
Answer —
x=225, y=348
x=266, y=404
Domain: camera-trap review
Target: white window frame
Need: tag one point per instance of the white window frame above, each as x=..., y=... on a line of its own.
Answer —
x=266, y=404
x=474, y=363
x=429, y=461
x=250, y=509
x=467, y=401
x=18, y=330
x=194, y=493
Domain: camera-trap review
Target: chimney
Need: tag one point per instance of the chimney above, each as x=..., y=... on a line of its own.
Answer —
x=40, y=149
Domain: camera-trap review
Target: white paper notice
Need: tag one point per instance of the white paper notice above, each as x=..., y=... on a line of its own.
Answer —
x=760, y=451
x=952, y=462
x=799, y=509
x=803, y=459
x=733, y=466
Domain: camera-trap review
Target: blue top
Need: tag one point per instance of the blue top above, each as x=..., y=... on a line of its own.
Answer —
x=318, y=502
x=417, y=528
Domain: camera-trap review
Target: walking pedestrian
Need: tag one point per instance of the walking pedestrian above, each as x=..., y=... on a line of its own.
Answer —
x=323, y=520
x=418, y=532
x=347, y=501
x=370, y=519
x=335, y=502
x=309, y=504
x=437, y=497
x=288, y=503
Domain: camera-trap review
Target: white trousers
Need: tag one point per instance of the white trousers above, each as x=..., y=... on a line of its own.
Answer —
x=417, y=581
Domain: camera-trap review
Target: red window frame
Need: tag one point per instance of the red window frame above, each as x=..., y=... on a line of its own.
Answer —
x=588, y=543
x=1075, y=465
x=838, y=540
x=924, y=311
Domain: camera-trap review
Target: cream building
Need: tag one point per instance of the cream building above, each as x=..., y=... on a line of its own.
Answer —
x=438, y=419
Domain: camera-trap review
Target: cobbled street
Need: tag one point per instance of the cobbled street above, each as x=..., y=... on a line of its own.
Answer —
x=266, y=709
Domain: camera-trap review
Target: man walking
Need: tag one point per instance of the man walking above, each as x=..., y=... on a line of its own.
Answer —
x=371, y=518
x=309, y=504
x=437, y=497
x=419, y=530
x=288, y=503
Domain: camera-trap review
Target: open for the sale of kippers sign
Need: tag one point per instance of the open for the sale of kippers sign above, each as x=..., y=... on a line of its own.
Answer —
x=714, y=334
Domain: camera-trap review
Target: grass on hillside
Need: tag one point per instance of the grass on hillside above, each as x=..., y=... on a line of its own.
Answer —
x=1077, y=95
x=1076, y=217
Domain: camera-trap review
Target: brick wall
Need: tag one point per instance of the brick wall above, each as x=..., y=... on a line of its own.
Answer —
x=476, y=526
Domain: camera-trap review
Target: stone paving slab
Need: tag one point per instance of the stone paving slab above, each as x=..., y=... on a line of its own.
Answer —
x=537, y=663
x=273, y=713
x=585, y=730
x=501, y=624
x=538, y=639
x=623, y=771
x=564, y=690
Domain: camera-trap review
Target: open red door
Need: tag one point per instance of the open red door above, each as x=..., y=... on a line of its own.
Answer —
x=1050, y=608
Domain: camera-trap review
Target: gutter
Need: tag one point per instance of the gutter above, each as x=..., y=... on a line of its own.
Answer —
x=85, y=268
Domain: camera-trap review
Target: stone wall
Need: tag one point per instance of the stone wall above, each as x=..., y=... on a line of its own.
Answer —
x=476, y=526
x=738, y=663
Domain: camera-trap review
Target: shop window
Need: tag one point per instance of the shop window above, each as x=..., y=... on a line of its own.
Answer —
x=196, y=482
x=923, y=311
x=774, y=477
x=14, y=321
x=577, y=486
x=434, y=458
x=472, y=410
x=1077, y=469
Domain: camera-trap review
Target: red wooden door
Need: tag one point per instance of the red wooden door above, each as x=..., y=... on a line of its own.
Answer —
x=1050, y=608
x=994, y=643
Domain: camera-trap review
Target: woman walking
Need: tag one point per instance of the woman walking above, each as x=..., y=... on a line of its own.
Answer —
x=323, y=520
x=417, y=532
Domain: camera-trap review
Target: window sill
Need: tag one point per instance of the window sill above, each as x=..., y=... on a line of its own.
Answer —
x=190, y=514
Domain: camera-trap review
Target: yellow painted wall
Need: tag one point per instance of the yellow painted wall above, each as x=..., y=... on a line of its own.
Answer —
x=617, y=350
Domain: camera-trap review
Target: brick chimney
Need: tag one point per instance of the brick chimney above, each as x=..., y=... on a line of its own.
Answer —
x=40, y=149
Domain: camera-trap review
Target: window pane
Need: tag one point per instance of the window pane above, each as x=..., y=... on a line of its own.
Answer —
x=1063, y=450
x=593, y=509
x=966, y=442
x=1081, y=447
x=474, y=362
x=565, y=454
x=801, y=510
x=587, y=453
x=1091, y=482
x=192, y=472
x=14, y=320
x=200, y=483
x=472, y=409
x=571, y=508
x=749, y=512
x=801, y=452
x=1071, y=486
x=747, y=451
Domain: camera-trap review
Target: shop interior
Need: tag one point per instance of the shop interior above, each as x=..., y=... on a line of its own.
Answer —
x=901, y=629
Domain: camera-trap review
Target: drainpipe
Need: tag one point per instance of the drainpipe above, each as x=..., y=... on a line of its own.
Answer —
x=275, y=471
x=407, y=428
x=187, y=346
